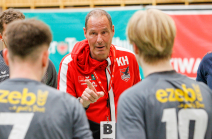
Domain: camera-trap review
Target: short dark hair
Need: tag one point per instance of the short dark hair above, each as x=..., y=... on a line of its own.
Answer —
x=8, y=16
x=98, y=13
x=26, y=37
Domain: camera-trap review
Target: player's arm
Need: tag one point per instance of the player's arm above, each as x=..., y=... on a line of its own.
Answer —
x=130, y=121
x=80, y=123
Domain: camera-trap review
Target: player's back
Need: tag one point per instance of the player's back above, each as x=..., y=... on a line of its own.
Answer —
x=166, y=105
x=32, y=110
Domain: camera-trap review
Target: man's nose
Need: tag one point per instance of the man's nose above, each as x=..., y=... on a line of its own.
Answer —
x=99, y=39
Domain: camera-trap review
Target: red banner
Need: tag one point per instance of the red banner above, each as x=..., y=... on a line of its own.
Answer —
x=193, y=40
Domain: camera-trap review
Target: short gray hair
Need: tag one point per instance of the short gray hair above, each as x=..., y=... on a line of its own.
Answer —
x=98, y=13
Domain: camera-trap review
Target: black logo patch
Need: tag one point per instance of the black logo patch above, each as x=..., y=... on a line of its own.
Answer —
x=125, y=74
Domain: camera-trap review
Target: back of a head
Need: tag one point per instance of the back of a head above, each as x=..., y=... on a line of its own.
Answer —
x=8, y=16
x=27, y=37
x=153, y=32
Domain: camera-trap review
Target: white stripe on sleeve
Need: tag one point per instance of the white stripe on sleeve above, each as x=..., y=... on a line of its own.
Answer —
x=63, y=73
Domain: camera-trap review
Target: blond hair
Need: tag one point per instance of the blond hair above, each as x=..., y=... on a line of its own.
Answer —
x=153, y=32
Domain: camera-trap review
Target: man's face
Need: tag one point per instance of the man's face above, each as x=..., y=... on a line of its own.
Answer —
x=99, y=35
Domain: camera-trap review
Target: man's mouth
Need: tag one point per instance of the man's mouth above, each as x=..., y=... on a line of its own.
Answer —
x=99, y=47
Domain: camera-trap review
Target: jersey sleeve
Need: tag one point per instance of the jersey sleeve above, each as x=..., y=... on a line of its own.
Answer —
x=81, y=129
x=65, y=77
x=130, y=122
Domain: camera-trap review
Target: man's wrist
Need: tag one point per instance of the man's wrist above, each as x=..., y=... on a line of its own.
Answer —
x=79, y=98
x=81, y=101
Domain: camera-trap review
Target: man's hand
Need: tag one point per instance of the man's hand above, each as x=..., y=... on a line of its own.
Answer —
x=90, y=95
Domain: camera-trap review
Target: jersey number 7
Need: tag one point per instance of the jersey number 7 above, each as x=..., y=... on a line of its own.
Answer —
x=20, y=122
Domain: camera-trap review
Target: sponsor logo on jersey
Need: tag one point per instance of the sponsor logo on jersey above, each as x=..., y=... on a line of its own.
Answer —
x=29, y=101
x=190, y=97
x=125, y=74
x=3, y=72
x=93, y=77
x=87, y=77
x=4, y=75
x=122, y=61
x=81, y=79
x=94, y=84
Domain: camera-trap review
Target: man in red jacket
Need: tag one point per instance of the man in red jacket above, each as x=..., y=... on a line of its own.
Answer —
x=97, y=72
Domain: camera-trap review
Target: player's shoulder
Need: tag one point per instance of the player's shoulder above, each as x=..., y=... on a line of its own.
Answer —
x=135, y=96
x=208, y=54
x=204, y=89
x=205, y=63
x=57, y=94
x=154, y=82
x=138, y=90
x=207, y=57
x=202, y=86
x=53, y=91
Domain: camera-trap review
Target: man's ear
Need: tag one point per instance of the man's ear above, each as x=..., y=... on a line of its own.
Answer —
x=6, y=56
x=1, y=37
x=135, y=48
x=45, y=59
x=85, y=33
x=113, y=29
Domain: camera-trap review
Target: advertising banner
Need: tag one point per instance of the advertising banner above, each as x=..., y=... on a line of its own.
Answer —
x=193, y=39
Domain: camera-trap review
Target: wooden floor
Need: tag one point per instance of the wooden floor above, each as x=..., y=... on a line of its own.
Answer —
x=5, y=4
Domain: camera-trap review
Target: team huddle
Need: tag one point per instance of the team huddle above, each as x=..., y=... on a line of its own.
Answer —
x=98, y=92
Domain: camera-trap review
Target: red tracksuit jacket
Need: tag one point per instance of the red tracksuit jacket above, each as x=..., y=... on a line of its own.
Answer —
x=78, y=66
